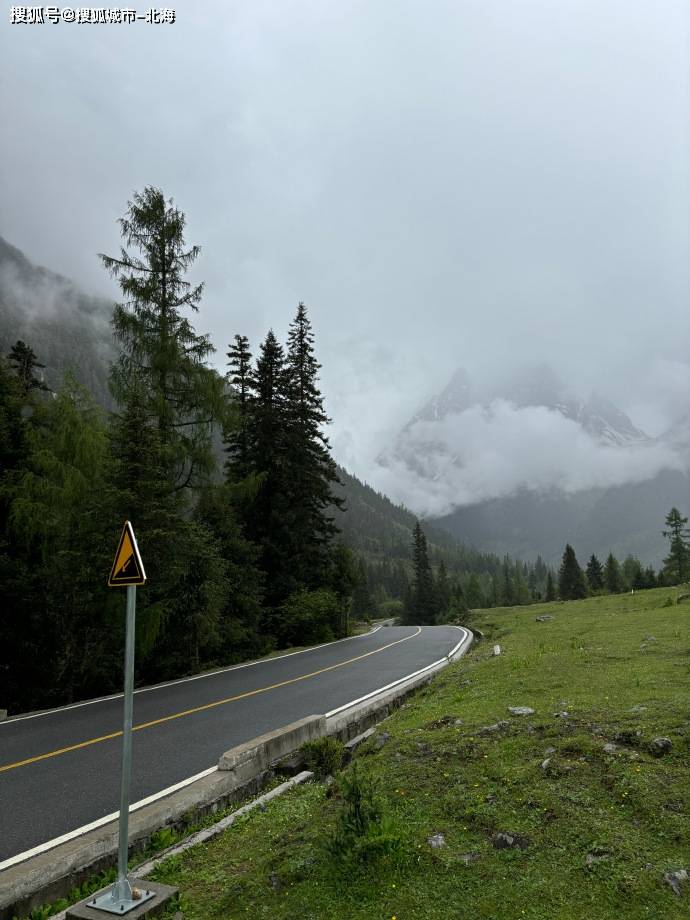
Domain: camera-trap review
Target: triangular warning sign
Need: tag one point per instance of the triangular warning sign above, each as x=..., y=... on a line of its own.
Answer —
x=128, y=569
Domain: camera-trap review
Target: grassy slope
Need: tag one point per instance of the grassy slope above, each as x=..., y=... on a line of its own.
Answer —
x=592, y=660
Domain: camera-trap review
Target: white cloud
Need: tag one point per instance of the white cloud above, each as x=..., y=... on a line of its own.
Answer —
x=497, y=450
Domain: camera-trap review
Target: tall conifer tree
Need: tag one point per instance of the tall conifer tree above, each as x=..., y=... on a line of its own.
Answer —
x=677, y=563
x=571, y=578
x=313, y=472
x=160, y=349
x=595, y=574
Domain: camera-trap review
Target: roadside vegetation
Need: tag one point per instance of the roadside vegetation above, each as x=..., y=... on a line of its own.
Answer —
x=458, y=807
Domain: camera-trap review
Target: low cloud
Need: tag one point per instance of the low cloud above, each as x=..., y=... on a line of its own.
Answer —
x=494, y=451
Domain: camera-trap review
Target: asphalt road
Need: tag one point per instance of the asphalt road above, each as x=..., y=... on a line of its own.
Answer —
x=60, y=770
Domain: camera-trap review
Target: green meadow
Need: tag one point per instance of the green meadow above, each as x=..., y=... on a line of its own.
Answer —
x=593, y=831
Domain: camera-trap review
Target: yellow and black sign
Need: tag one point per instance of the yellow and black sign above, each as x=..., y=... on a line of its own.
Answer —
x=128, y=569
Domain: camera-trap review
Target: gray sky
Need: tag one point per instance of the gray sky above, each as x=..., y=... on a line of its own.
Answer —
x=471, y=182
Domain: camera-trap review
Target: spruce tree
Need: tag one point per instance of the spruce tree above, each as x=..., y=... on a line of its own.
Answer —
x=159, y=348
x=237, y=432
x=550, y=594
x=269, y=517
x=421, y=606
x=613, y=577
x=25, y=364
x=677, y=563
x=312, y=471
x=442, y=591
x=571, y=579
x=595, y=574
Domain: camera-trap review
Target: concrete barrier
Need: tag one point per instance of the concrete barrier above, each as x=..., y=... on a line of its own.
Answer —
x=250, y=758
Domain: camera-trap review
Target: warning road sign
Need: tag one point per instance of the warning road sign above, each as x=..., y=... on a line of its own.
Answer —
x=128, y=569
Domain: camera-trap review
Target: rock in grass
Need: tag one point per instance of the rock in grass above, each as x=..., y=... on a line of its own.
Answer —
x=497, y=650
x=679, y=881
x=380, y=740
x=545, y=763
x=436, y=841
x=660, y=746
x=504, y=840
x=496, y=727
x=610, y=748
x=274, y=882
x=469, y=858
x=521, y=710
x=596, y=856
x=549, y=751
x=562, y=715
x=544, y=618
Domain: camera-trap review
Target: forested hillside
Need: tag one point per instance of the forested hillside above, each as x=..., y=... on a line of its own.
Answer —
x=251, y=536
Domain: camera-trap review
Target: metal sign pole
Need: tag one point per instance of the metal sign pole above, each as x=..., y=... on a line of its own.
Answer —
x=122, y=890
x=128, y=570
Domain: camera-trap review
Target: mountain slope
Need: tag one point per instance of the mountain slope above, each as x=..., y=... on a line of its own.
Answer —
x=68, y=329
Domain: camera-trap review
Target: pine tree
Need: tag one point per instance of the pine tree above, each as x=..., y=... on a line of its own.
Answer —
x=595, y=574
x=362, y=603
x=550, y=594
x=420, y=607
x=313, y=474
x=571, y=579
x=442, y=591
x=677, y=563
x=473, y=592
x=613, y=578
x=237, y=433
x=269, y=518
x=160, y=349
x=25, y=364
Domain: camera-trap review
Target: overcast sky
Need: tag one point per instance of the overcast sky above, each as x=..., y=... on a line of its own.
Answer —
x=472, y=182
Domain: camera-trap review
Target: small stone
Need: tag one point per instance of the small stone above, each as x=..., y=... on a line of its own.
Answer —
x=496, y=650
x=679, y=880
x=660, y=746
x=436, y=841
x=521, y=710
x=469, y=858
x=610, y=748
x=178, y=915
x=638, y=708
x=596, y=856
x=562, y=715
x=458, y=722
x=650, y=638
x=478, y=634
x=380, y=740
x=550, y=750
x=545, y=763
x=274, y=882
x=496, y=727
x=545, y=617
x=507, y=841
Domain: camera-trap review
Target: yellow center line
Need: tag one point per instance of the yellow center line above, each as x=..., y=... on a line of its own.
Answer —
x=213, y=705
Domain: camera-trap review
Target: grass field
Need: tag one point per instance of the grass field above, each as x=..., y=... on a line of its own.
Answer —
x=619, y=666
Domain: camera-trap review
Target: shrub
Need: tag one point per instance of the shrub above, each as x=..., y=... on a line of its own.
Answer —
x=363, y=832
x=324, y=756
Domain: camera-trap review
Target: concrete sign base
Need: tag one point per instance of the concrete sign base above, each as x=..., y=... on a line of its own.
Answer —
x=93, y=907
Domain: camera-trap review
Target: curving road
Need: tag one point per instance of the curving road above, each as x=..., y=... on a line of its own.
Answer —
x=60, y=770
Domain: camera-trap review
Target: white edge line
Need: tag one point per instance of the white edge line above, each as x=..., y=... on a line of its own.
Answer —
x=181, y=680
x=106, y=819
x=100, y=822
x=401, y=680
